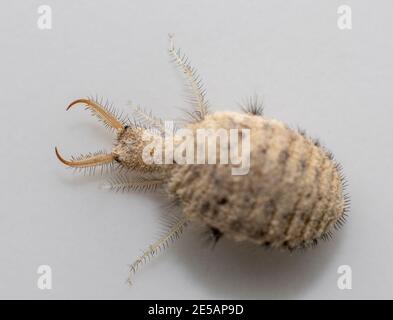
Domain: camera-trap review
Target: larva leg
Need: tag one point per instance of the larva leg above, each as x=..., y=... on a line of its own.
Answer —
x=175, y=229
x=195, y=84
x=137, y=183
x=148, y=120
x=253, y=105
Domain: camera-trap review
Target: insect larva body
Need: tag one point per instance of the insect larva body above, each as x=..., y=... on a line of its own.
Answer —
x=292, y=194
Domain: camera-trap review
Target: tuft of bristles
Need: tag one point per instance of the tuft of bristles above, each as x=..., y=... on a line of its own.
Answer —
x=211, y=237
x=252, y=105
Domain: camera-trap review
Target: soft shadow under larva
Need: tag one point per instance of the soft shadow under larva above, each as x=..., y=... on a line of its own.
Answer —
x=239, y=271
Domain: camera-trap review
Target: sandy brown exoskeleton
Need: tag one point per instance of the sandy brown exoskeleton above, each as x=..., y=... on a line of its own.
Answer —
x=292, y=195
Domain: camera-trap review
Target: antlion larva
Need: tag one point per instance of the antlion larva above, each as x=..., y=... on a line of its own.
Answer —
x=291, y=195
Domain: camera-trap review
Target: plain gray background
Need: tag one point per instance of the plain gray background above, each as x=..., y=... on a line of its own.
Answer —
x=335, y=83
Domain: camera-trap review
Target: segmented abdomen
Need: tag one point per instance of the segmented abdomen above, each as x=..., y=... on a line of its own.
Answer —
x=291, y=196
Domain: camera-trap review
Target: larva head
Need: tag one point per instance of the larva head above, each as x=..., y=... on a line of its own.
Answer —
x=128, y=146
